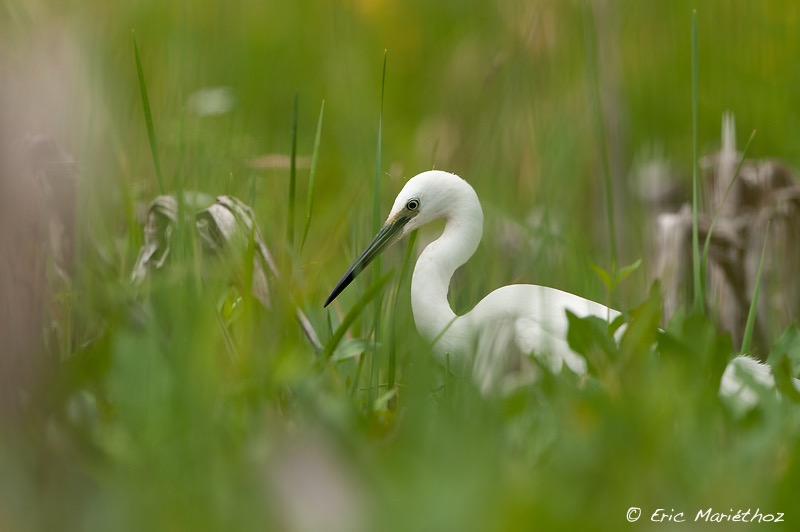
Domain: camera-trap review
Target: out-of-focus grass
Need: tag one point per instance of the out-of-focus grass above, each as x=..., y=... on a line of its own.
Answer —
x=174, y=408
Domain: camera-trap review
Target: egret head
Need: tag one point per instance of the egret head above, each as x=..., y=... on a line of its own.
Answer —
x=426, y=197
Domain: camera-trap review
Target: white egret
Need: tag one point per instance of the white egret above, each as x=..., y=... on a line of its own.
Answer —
x=496, y=338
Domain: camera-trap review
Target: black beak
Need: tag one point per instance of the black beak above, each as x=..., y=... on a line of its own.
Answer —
x=388, y=234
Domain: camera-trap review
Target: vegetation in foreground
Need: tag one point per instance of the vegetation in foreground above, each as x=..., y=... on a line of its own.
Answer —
x=186, y=403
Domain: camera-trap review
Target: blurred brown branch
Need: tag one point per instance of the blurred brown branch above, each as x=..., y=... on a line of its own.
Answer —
x=764, y=191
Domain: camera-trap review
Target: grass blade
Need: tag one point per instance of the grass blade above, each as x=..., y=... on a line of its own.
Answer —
x=376, y=198
x=601, y=132
x=312, y=177
x=707, y=243
x=357, y=378
x=699, y=296
x=148, y=116
x=751, y=315
x=352, y=314
x=391, y=371
x=292, y=178
x=376, y=223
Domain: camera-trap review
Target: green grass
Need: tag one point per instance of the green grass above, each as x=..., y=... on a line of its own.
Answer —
x=312, y=177
x=185, y=405
x=698, y=275
x=377, y=265
x=753, y=310
x=292, y=176
x=148, y=117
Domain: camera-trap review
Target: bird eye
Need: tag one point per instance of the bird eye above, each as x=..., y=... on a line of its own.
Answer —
x=413, y=204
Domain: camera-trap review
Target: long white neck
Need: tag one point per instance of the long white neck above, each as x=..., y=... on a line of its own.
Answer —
x=435, y=267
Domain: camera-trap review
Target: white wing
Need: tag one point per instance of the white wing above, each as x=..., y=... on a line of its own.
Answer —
x=518, y=321
x=499, y=364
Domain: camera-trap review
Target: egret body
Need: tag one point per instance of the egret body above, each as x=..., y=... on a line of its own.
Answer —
x=495, y=340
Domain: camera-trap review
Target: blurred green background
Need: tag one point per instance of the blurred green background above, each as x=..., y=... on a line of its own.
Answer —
x=159, y=416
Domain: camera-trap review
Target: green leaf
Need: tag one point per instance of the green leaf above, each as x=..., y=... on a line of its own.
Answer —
x=782, y=372
x=382, y=402
x=591, y=338
x=693, y=339
x=625, y=271
x=784, y=357
x=351, y=348
x=642, y=330
x=615, y=324
x=787, y=345
x=604, y=276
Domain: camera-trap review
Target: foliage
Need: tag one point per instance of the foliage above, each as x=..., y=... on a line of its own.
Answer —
x=186, y=405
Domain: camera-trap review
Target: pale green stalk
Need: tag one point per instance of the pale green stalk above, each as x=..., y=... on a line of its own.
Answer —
x=392, y=369
x=707, y=243
x=699, y=296
x=312, y=177
x=376, y=223
x=292, y=178
x=751, y=315
x=601, y=134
